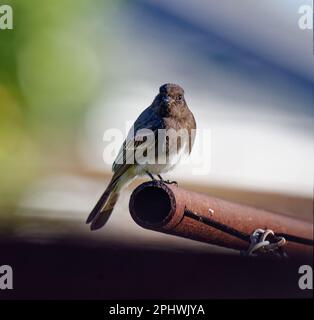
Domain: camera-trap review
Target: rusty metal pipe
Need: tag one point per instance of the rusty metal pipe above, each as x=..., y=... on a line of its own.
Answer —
x=160, y=207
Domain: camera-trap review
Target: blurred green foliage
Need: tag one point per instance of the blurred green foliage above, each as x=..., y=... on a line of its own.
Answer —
x=52, y=67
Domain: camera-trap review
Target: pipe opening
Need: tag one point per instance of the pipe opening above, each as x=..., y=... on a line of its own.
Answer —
x=152, y=205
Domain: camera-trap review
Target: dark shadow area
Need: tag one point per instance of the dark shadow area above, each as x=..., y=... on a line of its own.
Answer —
x=77, y=269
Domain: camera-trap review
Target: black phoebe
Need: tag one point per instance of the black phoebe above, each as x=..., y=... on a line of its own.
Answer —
x=154, y=133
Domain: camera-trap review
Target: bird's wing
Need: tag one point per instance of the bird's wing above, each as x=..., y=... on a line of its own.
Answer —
x=146, y=124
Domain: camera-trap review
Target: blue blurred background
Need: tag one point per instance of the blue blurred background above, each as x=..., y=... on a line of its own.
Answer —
x=71, y=69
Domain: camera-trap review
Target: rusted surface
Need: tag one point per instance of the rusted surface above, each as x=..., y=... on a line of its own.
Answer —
x=160, y=207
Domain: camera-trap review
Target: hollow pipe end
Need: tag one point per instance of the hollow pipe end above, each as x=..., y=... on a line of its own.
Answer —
x=152, y=204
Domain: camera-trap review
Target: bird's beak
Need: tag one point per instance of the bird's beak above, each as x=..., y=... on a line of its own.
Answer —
x=165, y=101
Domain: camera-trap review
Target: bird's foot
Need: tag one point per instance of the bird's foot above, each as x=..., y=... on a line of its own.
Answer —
x=170, y=182
x=167, y=181
x=151, y=176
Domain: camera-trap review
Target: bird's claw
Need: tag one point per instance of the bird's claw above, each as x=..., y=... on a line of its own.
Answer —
x=167, y=181
x=170, y=182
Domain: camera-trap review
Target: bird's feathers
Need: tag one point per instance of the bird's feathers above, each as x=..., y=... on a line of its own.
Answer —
x=148, y=120
x=103, y=208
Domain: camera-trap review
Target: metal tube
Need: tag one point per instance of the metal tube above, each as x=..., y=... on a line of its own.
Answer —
x=160, y=207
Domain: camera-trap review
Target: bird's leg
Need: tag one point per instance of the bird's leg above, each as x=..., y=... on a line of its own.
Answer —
x=167, y=181
x=150, y=175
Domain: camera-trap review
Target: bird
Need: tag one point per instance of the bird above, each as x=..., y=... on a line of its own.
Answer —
x=152, y=135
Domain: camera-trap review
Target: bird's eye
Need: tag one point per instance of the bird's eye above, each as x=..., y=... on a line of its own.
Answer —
x=179, y=97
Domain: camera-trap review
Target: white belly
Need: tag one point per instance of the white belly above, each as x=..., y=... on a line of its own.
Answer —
x=158, y=168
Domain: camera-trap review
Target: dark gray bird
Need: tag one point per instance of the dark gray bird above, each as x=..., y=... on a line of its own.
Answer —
x=166, y=131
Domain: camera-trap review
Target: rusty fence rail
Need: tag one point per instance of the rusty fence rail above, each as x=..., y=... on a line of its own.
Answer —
x=173, y=210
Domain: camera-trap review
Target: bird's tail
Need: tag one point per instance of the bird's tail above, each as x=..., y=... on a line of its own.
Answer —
x=105, y=205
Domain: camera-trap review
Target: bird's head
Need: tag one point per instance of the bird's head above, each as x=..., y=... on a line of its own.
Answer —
x=170, y=100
